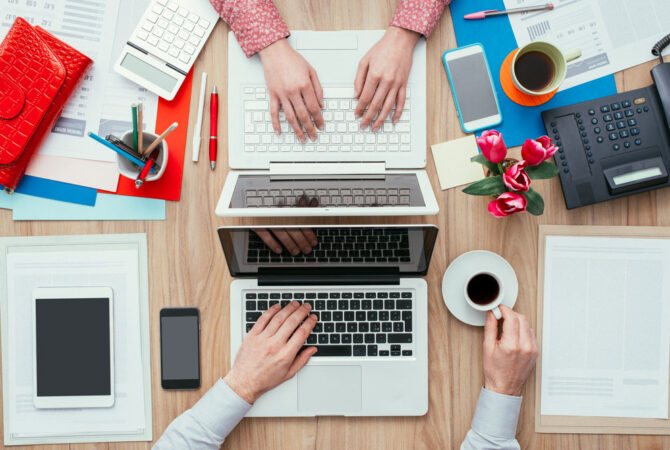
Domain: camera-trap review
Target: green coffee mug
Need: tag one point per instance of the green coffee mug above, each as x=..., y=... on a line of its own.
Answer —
x=534, y=69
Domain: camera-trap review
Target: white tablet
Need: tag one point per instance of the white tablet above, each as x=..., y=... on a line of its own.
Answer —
x=73, y=351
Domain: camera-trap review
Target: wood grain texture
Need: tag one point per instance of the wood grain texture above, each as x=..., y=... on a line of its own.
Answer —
x=187, y=267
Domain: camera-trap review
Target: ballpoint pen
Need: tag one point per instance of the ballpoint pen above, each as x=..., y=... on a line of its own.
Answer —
x=495, y=12
x=151, y=161
x=198, y=122
x=132, y=158
x=213, y=116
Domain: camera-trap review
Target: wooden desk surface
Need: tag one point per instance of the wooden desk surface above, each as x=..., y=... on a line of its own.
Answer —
x=188, y=269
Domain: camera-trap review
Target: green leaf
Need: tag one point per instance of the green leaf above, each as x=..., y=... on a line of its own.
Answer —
x=535, y=202
x=487, y=186
x=486, y=163
x=542, y=171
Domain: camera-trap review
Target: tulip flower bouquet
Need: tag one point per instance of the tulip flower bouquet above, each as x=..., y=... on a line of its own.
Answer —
x=508, y=179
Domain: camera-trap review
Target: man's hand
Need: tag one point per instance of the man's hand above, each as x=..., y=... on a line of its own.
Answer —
x=295, y=240
x=509, y=360
x=381, y=79
x=269, y=353
x=293, y=85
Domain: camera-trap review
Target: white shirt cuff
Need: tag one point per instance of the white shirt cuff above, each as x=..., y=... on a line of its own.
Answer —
x=496, y=414
x=220, y=409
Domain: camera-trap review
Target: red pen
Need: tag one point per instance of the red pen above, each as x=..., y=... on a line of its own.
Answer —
x=213, y=117
x=139, y=181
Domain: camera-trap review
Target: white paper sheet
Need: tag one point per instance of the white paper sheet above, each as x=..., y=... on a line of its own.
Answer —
x=612, y=34
x=606, y=327
x=83, y=172
x=118, y=265
x=102, y=102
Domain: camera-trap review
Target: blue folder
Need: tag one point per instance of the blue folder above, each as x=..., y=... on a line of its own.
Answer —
x=496, y=36
x=55, y=190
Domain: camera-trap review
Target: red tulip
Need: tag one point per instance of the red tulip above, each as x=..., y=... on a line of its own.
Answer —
x=492, y=146
x=508, y=203
x=535, y=151
x=516, y=178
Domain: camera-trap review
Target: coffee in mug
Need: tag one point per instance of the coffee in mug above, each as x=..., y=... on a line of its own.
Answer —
x=484, y=292
x=535, y=70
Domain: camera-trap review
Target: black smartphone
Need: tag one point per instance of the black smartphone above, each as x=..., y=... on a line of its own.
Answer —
x=180, y=348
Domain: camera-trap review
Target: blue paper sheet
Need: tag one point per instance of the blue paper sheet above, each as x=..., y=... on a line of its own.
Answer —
x=108, y=207
x=55, y=190
x=496, y=36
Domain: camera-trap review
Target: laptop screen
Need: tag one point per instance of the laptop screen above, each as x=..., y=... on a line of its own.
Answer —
x=405, y=250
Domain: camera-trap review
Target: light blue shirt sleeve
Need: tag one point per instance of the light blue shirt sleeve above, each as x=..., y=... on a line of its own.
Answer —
x=206, y=425
x=494, y=423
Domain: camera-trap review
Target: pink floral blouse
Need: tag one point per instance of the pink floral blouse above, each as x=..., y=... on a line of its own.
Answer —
x=257, y=23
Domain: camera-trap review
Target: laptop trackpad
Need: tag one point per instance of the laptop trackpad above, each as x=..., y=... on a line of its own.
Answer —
x=329, y=389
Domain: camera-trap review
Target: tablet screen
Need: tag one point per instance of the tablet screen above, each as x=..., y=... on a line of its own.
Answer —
x=72, y=347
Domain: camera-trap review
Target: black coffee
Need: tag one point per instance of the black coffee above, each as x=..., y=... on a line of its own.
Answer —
x=534, y=70
x=483, y=289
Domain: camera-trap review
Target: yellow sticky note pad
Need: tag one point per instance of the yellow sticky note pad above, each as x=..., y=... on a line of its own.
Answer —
x=452, y=162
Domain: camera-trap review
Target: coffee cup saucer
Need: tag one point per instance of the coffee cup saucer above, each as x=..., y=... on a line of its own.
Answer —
x=458, y=273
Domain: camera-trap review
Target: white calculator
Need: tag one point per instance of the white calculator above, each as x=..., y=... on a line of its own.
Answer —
x=160, y=52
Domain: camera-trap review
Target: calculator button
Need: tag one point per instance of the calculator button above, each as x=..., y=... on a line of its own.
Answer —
x=193, y=17
x=625, y=103
x=188, y=25
x=158, y=32
x=189, y=49
x=163, y=46
x=162, y=23
x=638, y=141
x=168, y=14
x=199, y=31
x=153, y=40
x=634, y=131
x=178, y=43
x=592, y=112
x=161, y=2
x=632, y=122
x=172, y=28
x=183, y=12
x=193, y=40
x=613, y=136
x=152, y=18
x=184, y=58
x=173, y=6
x=183, y=35
x=629, y=113
x=596, y=130
x=610, y=127
x=174, y=52
x=204, y=23
x=179, y=20
x=147, y=26
x=623, y=134
x=615, y=106
x=607, y=117
x=142, y=34
x=605, y=109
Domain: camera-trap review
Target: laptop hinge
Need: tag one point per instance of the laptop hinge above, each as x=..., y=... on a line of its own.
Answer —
x=327, y=168
x=328, y=276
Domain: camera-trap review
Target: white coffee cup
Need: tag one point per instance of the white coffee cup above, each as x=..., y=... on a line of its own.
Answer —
x=492, y=305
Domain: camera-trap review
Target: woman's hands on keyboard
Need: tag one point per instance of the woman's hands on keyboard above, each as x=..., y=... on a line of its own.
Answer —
x=269, y=353
x=381, y=79
x=293, y=85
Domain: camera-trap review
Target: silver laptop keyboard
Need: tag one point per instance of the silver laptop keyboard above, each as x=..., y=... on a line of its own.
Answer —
x=342, y=131
x=340, y=245
x=332, y=197
x=369, y=323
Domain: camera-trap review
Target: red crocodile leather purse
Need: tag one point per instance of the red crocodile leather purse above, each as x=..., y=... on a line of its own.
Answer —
x=38, y=75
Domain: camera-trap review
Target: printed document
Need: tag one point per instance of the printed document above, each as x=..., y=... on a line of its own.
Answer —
x=612, y=34
x=102, y=103
x=606, y=327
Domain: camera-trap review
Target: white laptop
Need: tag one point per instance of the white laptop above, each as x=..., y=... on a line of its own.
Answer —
x=348, y=171
x=372, y=333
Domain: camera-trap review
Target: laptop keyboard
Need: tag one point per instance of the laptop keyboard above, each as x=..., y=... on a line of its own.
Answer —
x=342, y=131
x=329, y=197
x=341, y=245
x=370, y=323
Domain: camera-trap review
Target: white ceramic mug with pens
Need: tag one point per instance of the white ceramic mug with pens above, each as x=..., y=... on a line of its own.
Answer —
x=484, y=292
x=131, y=170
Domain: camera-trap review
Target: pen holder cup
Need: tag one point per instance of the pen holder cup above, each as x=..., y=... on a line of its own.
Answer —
x=131, y=170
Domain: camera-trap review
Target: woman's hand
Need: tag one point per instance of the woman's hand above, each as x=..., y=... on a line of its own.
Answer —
x=293, y=85
x=381, y=79
x=269, y=353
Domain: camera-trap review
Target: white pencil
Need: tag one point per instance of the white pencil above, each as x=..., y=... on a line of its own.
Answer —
x=198, y=122
x=160, y=138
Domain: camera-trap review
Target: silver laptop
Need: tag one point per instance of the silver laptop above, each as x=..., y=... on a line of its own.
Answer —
x=364, y=284
x=348, y=171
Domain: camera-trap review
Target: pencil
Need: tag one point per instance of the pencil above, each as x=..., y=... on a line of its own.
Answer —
x=134, y=110
x=160, y=138
x=140, y=126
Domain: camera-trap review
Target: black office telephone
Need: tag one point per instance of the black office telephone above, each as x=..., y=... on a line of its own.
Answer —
x=616, y=145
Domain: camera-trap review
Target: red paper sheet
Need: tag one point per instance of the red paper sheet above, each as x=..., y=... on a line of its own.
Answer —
x=168, y=187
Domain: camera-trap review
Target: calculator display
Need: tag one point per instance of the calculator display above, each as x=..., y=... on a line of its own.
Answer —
x=148, y=72
x=637, y=175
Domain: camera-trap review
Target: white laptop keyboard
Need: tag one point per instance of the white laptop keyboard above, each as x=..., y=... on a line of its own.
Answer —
x=342, y=131
x=169, y=30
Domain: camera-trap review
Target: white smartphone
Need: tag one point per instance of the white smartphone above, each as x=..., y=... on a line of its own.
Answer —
x=73, y=351
x=471, y=84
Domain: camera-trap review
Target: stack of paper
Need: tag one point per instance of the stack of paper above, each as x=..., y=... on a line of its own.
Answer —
x=117, y=261
x=70, y=167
